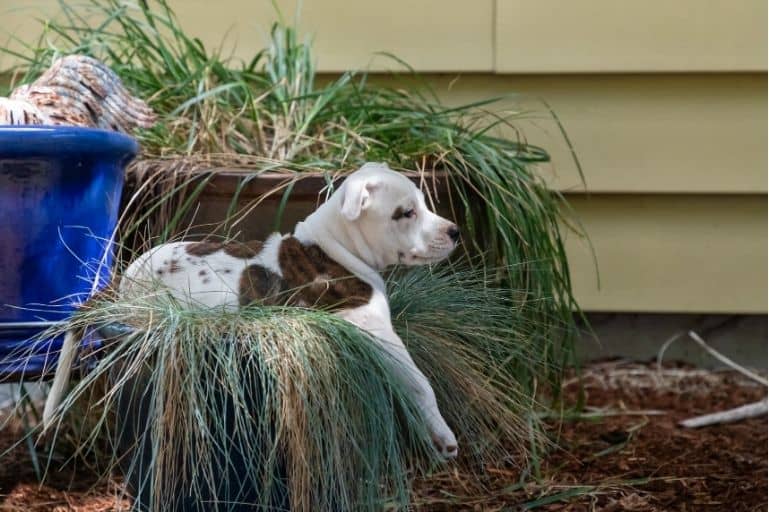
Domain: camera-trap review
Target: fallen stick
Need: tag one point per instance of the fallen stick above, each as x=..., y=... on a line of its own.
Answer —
x=736, y=414
x=728, y=362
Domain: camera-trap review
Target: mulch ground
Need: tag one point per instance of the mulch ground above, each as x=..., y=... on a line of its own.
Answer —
x=626, y=451
x=623, y=451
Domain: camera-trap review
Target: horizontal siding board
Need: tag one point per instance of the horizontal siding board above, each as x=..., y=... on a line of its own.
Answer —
x=506, y=36
x=682, y=254
x=659, y=134
x=429, y=35
x=552, y=36
x=424, y=33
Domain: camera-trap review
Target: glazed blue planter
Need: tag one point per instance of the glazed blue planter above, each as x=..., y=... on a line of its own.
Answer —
x=59, y=201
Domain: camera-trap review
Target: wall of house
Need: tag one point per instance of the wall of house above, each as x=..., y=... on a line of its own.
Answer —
x=665, y=104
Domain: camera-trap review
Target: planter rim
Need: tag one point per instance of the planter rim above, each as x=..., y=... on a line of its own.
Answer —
x=52, y=141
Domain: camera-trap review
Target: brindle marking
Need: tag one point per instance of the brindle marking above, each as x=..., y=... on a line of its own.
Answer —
x=310, y=279
x=244, y=250
x=203, y=248
x=259, y=285
x=316, y=280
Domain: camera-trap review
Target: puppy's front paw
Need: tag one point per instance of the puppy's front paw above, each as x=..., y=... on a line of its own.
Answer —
x=445, y=443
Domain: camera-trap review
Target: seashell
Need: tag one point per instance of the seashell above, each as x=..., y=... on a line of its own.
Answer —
x=20, y=112
x=82, y=91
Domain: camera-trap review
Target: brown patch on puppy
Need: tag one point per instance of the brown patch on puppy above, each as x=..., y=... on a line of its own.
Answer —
x=259, y=285
x=398, y=213
x=243, y=250
x=203, y=248
x=310, y=276
x=310, y=279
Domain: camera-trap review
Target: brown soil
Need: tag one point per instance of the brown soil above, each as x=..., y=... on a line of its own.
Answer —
x=624, y=452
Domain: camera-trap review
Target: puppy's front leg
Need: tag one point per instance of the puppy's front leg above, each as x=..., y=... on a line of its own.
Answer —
x=370, y=319
x=443, y=437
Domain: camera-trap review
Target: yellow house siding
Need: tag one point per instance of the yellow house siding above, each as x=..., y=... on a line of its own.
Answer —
x=661, y=133
x=503, y=36
x=671, y=253
x=346, y=34
x=557, y=36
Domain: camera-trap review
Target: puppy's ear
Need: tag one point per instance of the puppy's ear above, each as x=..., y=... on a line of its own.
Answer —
x=356, y=198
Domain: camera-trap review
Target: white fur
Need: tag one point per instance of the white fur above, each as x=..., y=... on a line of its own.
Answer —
x=188, y=286
x=355, y=228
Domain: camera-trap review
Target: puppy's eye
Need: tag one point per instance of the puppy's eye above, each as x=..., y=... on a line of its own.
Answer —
x=400, y=213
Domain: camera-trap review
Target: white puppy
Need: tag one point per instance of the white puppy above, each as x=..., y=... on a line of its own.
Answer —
x=377, y=218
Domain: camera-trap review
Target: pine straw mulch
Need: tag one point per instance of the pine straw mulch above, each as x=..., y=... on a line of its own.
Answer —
x=623, y=452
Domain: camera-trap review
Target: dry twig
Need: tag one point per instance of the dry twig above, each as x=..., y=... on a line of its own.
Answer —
x=739, y=413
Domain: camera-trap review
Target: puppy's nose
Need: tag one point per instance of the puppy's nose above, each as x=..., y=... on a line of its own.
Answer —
x=453, y=233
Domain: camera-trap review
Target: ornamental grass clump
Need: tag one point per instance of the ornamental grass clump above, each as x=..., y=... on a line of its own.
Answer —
x=289, y=406
x=269, y=113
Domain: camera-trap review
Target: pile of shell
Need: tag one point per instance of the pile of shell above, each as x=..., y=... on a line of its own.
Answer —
x=76, y=90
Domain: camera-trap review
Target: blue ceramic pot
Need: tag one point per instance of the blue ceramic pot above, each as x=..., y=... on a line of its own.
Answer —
x=59, y=201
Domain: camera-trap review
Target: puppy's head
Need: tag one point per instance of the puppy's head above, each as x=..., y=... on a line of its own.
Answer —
x=390, y=213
